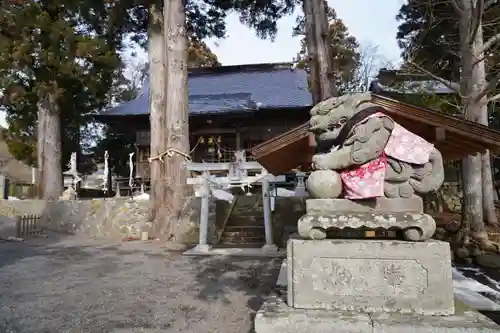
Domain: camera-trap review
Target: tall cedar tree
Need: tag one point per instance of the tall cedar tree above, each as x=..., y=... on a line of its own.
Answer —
x=456, y=41
x=344, y=50
x=183, y=22
x=55, y=68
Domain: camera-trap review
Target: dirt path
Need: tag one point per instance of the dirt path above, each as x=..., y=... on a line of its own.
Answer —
x=77, y=286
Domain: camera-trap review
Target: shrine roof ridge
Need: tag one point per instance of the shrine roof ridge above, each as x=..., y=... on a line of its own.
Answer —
x=238, y=88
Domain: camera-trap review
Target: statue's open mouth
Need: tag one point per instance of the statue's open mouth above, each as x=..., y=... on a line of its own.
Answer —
x=332, y=127
x=319, y=129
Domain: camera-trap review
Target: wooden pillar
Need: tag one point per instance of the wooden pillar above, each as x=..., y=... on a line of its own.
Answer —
x=238, y=140
x=4, y=187
x=268, y=226
x=203, y=245
x=118, y=194
x=109, y=184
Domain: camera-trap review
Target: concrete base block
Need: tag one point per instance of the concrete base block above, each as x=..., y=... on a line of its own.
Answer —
x=236, y=252
x=203, y=248
x=270, y=248
x=275, y=316
x=370, y=276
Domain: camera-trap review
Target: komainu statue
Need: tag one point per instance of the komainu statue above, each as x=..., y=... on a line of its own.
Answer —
x=369, y=171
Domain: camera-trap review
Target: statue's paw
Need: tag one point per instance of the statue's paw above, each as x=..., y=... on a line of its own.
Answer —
x=405, y=190
x=412, y=234
x=317, y=233
x=319, y=162
x=324, y=184
x=391, y=190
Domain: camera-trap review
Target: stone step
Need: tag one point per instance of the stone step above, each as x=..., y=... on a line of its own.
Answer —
x=246, y=221
x=243, y=245
x=248, y=207
x=243, y=239
x=246, y=200
x=249, y=218
x=243, y=234
x=243, y=213
x=240, y=245
x=257, y=228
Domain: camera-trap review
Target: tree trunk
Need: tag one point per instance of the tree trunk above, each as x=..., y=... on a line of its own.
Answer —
x=490, y=215
x=312, y=51
x=479, y=73
x=472, y=208
x=176, y=107
x=159, y=135
x=50, y=178
x=473, y=78
x=326, y=78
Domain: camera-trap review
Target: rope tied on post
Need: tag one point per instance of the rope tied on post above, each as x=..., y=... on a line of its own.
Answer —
x=170, y=152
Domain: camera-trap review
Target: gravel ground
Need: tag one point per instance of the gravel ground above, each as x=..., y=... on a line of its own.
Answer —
x=74, y=285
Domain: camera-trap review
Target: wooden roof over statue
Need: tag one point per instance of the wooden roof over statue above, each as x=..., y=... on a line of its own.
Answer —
x=453, y=136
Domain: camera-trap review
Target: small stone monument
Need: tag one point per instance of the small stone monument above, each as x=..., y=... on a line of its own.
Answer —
x=74, y=178
x=363, y=260
x=105, y=174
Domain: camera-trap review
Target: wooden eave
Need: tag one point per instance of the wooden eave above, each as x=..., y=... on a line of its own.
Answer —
x=453, y=136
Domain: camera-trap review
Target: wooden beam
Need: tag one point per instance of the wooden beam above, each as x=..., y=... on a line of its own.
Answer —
x=214, y=131
x=312, y=140
x=229, y=181
x=439, y=134
x=200, y=167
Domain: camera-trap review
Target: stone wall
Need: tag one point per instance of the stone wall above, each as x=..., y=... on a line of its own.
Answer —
x=114, y=218
x=120, y=217
x=187, y=228
x=448, y=199
x=452, y=196
x=13, y=208
x=109, y=218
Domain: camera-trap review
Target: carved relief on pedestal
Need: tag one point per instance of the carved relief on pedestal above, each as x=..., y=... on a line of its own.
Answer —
x=369, y=277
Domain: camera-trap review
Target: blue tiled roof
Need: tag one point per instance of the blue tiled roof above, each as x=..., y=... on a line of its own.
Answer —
x=234, y=88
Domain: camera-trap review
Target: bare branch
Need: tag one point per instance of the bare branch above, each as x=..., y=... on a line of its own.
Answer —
x=456, y=7
x=452, y=85
x=478, y=60
x=490, y=43
x=489, y=3
x=494, y=98
x=488, y=87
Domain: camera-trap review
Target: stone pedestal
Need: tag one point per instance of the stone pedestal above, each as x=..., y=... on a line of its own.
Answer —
x=362, y=286
x=275, y=316
x=370, y=276
x=397, y=214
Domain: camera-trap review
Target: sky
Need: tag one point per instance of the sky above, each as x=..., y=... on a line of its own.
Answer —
x=372, y=22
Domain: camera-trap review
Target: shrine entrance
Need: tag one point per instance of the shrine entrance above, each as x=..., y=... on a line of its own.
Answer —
x=236, y=176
